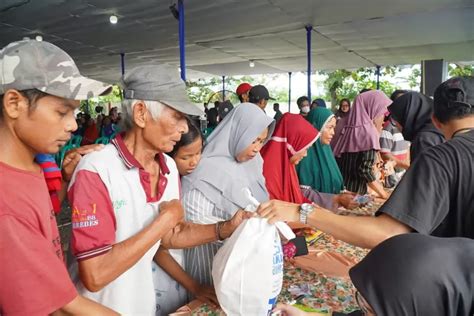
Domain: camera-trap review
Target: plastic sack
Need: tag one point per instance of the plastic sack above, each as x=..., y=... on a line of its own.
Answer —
x=248, y=269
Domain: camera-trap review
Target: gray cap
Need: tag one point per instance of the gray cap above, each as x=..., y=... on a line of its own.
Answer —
x=159, y=83
x=30, y=64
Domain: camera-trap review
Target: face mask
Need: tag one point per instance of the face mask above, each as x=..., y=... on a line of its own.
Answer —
x=305, y=109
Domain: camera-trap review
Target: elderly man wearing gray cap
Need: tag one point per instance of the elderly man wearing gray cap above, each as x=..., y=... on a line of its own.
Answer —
x=40, y=87
x=125, y=198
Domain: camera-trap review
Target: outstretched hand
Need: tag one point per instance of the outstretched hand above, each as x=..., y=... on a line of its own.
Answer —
x=347, y=200
x=276, y=210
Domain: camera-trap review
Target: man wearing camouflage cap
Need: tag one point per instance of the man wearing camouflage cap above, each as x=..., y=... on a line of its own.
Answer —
x=39, y=90
x=125, y=198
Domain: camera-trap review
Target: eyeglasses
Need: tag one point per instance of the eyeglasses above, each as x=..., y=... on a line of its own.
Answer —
x=364, y=306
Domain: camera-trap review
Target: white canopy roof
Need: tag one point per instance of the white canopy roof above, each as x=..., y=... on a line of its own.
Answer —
x=223, y=35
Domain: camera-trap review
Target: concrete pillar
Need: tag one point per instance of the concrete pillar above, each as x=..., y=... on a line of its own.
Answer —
x=433, y=73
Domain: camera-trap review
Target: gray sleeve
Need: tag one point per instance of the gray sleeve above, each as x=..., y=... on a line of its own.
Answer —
x=325, y=200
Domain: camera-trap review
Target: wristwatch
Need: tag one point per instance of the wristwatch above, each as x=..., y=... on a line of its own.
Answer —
x=305, y=210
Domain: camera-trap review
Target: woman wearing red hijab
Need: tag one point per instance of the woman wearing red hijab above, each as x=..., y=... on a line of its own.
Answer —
x=288, y=146
x=289, y=143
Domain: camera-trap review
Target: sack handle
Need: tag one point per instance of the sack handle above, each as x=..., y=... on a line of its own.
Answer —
x=285, y=230
x=282, y=227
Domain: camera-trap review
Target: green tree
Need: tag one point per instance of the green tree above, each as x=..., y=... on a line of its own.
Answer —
x=88, y=106
x=414, y=79
x=200, y=91
x=365, y=78
x=280, y=96
x=347, y=84
x=205, y=90
x=457, y=70
x=334, y=84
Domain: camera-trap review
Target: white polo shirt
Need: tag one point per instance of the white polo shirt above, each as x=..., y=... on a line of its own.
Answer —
x=111, y=201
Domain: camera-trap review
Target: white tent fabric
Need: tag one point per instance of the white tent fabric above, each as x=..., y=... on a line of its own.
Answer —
x=222, y=36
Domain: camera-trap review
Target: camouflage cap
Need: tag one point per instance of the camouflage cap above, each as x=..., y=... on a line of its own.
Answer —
x=31, y=64
x=159, y=83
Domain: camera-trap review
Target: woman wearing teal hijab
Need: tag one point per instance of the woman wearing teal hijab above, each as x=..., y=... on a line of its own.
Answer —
x=319, y=169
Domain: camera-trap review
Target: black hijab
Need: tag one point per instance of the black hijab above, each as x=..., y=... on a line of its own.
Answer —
x=413, y=111
x=415, y=274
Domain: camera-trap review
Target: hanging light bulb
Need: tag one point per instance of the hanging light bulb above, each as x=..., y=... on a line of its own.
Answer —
x=113, y=19
x=39, y=38
x=251, y=64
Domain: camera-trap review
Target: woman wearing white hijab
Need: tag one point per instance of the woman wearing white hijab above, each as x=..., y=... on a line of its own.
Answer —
x=214, y=191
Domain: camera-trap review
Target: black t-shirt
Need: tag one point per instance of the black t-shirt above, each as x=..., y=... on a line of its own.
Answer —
x=423, y=141
x=436, y=195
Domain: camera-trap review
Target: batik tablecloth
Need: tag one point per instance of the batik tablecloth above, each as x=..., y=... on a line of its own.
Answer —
x=312, y=289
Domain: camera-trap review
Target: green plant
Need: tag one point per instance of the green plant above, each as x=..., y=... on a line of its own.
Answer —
x=457, y=70
x=347, y=84
x=88, y=106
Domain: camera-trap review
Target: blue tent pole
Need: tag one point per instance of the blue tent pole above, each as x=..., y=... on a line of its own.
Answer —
x=122, y=62
x=223, y=88
x=182, y=53
x=289, y=91
x=308, y=28
x=378, y=77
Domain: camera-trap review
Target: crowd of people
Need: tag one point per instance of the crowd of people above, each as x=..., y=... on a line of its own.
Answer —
x=151, y=209
x=90, y=129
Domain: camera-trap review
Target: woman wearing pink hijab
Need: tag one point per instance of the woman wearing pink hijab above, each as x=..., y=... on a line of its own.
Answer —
x=356, y=148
